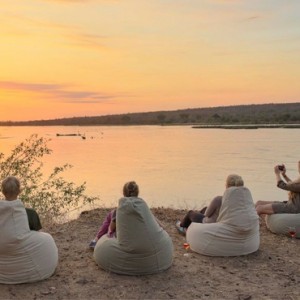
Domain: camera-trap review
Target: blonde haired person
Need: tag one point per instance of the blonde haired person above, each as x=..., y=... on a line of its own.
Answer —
x=11, y=188
x=236, y=230
x=234, y=180
x=22, y=251
x=141, y=245
x=211, y=213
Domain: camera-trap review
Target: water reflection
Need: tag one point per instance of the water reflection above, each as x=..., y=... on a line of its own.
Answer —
x=174, y=166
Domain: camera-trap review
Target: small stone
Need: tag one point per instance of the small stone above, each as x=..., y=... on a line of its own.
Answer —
x=82, y=281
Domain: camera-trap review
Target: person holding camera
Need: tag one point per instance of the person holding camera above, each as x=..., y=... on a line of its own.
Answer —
x=292, y=206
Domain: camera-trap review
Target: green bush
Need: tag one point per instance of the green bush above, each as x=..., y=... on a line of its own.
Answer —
x=52, y=196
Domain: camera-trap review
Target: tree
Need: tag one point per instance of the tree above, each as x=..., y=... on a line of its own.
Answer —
x=51, y=197
x=161, y=118
x=126, y=119
x=216, y=118
x=184, y=117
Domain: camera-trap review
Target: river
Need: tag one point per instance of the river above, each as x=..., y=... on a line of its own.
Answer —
x=175, y=166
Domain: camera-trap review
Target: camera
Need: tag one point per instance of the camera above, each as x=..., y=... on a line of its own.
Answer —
x=281, y=167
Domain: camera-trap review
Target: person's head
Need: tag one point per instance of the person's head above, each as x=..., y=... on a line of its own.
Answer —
x=131, y=189
x=234, y=180
x=11, y=187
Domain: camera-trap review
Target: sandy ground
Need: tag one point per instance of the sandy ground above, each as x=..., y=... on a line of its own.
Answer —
x=273, y=272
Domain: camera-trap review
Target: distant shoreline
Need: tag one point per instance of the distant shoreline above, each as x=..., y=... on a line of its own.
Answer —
x=287, y=115
x=254, y=126
x=202, y=126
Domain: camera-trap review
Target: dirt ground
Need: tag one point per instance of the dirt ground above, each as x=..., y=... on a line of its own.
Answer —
x=273, y=272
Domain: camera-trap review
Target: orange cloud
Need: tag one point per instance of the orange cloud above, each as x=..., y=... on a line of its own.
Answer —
x=58, y=92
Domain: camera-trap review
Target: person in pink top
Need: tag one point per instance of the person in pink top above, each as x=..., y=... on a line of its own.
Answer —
x=108, y=227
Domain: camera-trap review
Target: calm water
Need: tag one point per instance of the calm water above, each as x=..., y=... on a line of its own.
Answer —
x=177, y=167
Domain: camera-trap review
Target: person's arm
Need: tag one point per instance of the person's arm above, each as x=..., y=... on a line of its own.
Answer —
x=277, y=174
x=266, y=209
x=112, y=228
x=286, y=178
x=113, y=225
x=214, y=204
x=280, y=183
x=104, y=227
x=283, y=173
x=290, y=186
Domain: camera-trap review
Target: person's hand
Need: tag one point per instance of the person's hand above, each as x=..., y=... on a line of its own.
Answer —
x=276, y=170
x=283, y=171
x=112, y=226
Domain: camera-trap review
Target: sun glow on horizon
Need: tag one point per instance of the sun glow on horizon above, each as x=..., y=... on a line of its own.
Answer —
x=80, y=58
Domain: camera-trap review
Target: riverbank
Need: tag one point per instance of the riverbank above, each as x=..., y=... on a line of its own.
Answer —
x=247, y=126
x=270, y=273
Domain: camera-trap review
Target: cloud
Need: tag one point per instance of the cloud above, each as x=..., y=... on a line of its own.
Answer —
x=69, y=1
x=19, y=25
x=86, y=40
x=227, y=1
x=58, y=92
x=252, y=18
x=80, y=1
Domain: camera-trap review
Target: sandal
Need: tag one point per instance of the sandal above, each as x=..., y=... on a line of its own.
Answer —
x=92, y=244
x=179, y=228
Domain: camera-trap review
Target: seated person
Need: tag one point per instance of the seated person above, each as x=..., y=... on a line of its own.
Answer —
x=292, y=206
x=33, y=219
x=141, y=245
x=22, y=251
x=282, y=217
x=108, y=227
x=211, y=213
x=236, y=230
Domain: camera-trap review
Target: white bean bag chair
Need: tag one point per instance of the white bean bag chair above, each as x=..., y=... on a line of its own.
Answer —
x=280, y=223
x=236, y=231
x=25, y=256
x=141, y=247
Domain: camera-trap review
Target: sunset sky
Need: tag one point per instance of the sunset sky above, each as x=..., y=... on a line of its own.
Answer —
x=64, y=58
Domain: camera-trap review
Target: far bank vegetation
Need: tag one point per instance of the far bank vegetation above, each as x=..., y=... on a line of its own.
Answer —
x=285, y=113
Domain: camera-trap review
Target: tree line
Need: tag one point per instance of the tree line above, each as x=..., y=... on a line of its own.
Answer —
x=283, y=113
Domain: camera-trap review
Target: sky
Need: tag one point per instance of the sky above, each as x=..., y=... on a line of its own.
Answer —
x=65, y=58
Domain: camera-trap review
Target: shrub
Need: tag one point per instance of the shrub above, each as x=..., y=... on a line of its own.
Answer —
x=52, y=196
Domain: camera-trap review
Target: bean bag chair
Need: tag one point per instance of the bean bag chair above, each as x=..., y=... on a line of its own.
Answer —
x=25, y=256
x=280, y=223
x=236, y=231
x=141, y=247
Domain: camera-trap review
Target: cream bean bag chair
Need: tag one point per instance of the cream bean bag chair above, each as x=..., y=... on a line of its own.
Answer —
x=280, y=223
x=236, y=231
x=141, y=246
x=25, y=256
